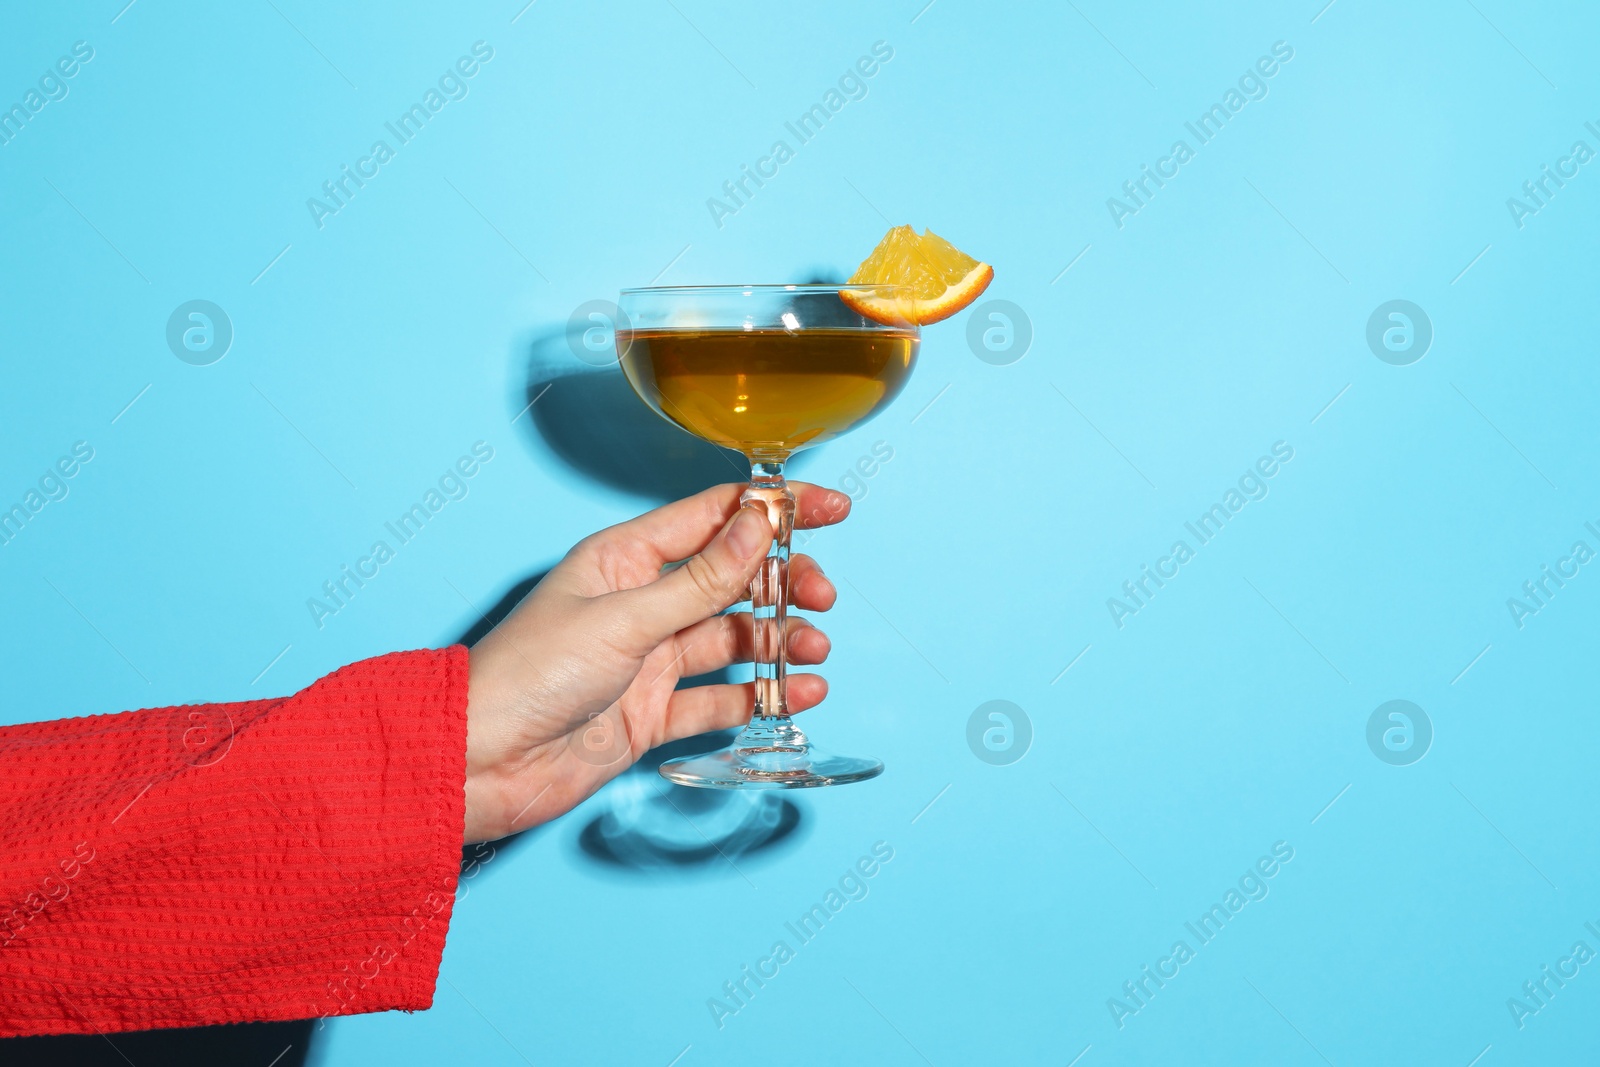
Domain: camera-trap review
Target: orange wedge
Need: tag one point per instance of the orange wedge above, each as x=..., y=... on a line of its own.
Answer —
x=942, y=278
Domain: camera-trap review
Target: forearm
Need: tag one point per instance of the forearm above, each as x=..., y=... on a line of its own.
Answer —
x=220, y=863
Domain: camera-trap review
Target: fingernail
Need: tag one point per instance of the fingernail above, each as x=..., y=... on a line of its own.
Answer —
x=749, y=532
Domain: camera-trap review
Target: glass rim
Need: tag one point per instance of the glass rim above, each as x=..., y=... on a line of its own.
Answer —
x=770, y=288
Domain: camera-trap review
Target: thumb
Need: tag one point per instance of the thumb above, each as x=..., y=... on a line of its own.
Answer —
x=719, y=575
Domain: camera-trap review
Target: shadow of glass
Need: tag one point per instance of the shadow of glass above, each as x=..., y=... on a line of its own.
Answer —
x=594, y=422
x=648, y=825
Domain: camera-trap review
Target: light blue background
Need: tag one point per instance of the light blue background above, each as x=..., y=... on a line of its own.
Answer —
x=1223, y=317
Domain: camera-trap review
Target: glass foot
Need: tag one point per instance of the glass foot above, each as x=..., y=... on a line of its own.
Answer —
x=769, y=754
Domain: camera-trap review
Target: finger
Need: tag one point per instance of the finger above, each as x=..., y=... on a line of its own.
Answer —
x=704, y=708
x=710, y=580
x=809, y=588
x=815, y=506
x=683, y=527
x=727, y=639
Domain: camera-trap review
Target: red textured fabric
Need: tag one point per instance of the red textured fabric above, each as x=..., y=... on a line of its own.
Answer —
x=275, y=859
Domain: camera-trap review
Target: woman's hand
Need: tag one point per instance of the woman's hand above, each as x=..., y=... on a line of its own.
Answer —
x=580, y=680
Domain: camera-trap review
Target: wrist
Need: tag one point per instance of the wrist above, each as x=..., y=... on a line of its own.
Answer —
x=482, y=696
x=478, y=826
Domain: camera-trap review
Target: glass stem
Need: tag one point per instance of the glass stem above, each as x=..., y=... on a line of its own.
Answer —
x=770, y=726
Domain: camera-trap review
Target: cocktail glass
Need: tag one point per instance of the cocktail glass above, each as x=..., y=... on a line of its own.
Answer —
x=767, y=370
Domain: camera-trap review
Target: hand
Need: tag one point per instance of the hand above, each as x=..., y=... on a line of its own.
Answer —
x=580, y=680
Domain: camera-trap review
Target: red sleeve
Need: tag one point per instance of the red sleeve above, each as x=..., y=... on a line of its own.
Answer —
x=276, y=859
